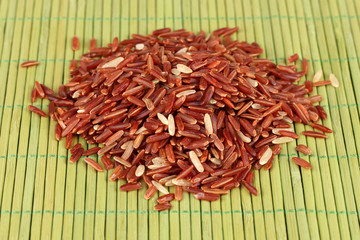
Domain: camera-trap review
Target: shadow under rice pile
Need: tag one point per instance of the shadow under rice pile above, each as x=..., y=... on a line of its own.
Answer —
x=198, y=112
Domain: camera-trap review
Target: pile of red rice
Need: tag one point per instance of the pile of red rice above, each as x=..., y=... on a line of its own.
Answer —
x=197, y=112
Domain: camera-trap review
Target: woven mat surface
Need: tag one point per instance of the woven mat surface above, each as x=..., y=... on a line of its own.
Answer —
x=42, y=196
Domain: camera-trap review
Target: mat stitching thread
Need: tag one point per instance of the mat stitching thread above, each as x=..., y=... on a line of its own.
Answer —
x=174, y=18
x=182, y=212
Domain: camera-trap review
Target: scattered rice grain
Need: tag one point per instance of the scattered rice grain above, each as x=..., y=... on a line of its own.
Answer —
x=334, y=81
x=317, y=76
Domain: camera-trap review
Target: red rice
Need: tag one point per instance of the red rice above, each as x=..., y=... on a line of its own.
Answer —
x=39, y=89
x=207, y=196
x=91, y=151
x=131, y=186
x=150, y=192
x=166, y=198
x=33, y=95
x=75, y=43
x=314, y=134
x=249, y=187
x=94, y=164
x=116, y=173
x=175, y=108
x=293, y=58
x=69, y=139
x=301, y=162
x=162, y=206
x=75, y=148
x=321, y=127
x=107, y=163
x=303, y=149
x=37, y=111
x=29, y=64
x=321, y=112
x=288, y=134
x=321, y=83
x=178, y=193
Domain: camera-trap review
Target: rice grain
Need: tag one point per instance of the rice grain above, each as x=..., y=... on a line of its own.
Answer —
x=37, y=111
x=163, y=119
x=183, y=68
x=334, y=81
x=317, y=76
x=208, y=124
x=171, y=125
x=75, y=43
x=195, y=160
x=140, y=170
x=281, y=140
x=160, y=187
x=301, y=162
x=94, y=164
x=303, y=149
x=162, y=206
x=266, y=156
x=29, y=64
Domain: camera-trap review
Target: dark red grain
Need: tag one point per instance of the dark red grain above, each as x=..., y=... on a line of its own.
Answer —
x=314, y=134
x=150, y=192
x=322, y=112
x=29, y=64
x=39, y=89
x=92, y=44
x=75, y=148
x=58, y=131
x=250, y=178
x=276, y=149
x=94, y=164
x=69, y=139
x=116, y=173
x=321, y=83
x=301, y=162
x=166, y=198
x=76, y=155
x=303, y=149
x=178, y=193
x=288, y=134
x=207, y=196
x=131, y=186
x=293, y=58
x=107, y=163
x=191, y=189
x=91, y=151
x=75, y=43
x=47, y=90
x=321, y=127
x=305, y=65
x=249, y=187
x=37, y=111
x=33, y=95
x=162, y=206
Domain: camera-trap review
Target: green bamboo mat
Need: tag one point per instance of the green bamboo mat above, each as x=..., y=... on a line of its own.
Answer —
x=44, y=197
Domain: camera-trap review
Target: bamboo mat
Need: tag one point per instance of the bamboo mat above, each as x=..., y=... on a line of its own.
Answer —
x=44, y=197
